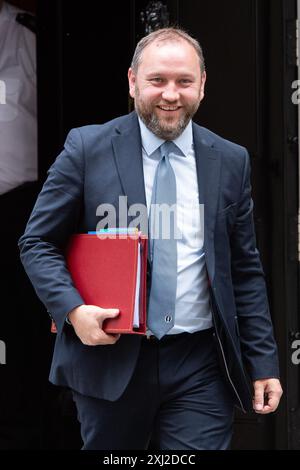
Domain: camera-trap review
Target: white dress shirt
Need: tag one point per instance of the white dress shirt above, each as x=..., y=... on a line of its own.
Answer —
x=18, y=109
x=192, y=309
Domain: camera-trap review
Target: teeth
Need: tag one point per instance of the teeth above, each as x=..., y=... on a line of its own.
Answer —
x=169, y=108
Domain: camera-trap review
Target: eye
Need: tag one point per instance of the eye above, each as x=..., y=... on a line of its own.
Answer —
x=156, y=80
x=185, y=81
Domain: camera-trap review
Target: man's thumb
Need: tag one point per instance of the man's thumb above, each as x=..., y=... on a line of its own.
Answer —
x=110, y=313
x=259, y=397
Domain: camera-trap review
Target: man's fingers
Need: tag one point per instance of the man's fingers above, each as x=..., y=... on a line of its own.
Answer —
x=273, y=398
x=88, y=324
x=102, y=339
x=273, y=402
x=109, y=338
x=269, y=407
x=267, y=394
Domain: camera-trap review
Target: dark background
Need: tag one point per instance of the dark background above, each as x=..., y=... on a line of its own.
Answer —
x=84, y=51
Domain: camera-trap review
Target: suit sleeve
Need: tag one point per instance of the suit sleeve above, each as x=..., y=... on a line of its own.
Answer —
x=256, y=332
x=53, y=220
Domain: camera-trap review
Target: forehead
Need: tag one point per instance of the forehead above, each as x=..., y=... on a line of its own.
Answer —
x=169, y=53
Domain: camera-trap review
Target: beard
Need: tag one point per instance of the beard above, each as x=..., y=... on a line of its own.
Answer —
x=163, y=128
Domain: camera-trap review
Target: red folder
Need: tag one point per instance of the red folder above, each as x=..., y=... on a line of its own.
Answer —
x=104, y=269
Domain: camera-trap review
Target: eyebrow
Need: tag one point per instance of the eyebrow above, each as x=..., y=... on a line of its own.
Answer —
x=162, y=74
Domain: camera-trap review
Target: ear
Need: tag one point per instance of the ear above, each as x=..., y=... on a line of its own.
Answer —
x=131, y=81
x=202, y=86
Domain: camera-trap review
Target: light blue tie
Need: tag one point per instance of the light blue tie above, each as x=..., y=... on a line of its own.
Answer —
x=163, y=246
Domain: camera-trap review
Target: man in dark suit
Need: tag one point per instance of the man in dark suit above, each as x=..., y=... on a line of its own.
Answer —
x=209, y=328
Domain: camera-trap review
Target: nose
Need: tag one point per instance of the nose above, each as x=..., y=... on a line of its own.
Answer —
x=170, y=92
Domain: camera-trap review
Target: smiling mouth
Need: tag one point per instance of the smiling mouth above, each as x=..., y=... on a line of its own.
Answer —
x=169, y=108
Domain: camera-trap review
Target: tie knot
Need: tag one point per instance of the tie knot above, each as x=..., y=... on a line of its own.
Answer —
x=168, y=147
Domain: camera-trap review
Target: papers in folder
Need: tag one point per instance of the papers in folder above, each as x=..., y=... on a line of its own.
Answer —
x=108, y=269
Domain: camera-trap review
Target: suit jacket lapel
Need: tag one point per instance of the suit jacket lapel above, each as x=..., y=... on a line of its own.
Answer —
x=129, y=160
x=208, y=162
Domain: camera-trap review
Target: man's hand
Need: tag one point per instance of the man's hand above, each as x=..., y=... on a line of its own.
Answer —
x=267, y=394
x=87, y=322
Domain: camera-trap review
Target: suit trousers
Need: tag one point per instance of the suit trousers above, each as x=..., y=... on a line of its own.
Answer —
x=177, y=399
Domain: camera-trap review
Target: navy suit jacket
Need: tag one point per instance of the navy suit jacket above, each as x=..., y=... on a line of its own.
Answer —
x=99, y=163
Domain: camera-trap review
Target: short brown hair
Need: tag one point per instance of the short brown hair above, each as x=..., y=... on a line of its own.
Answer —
x=166, y=34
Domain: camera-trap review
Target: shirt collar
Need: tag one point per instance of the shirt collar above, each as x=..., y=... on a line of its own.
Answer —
x=151, y=142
